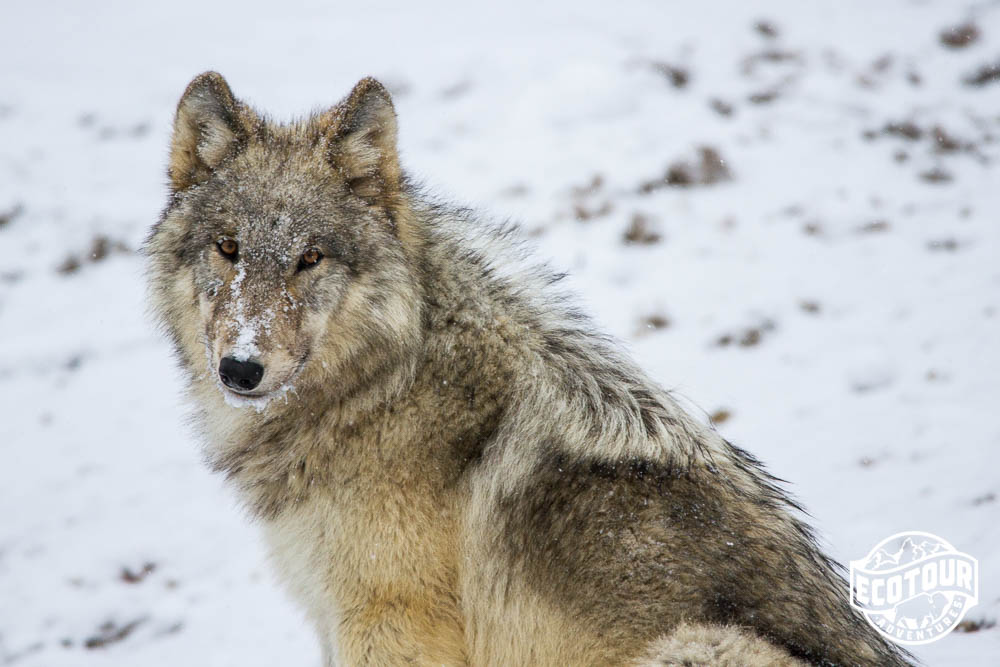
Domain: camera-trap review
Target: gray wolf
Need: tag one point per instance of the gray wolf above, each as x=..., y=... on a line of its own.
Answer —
x=450, y=465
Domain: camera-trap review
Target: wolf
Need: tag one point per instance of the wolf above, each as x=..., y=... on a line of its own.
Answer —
x=450, y=465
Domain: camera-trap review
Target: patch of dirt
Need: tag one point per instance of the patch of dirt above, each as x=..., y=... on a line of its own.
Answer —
x=763, y=97
x=985, y=74
x=655, y=322
x=960, y=36
x=130, y=576
x=870, y=380
x=879, y=71
x=721, y=107
x=110, y=133
x=905, y=129
x=809, y=306
x=680, y=174
x=170, y=630
x=975, y=625
x=944, y=245
x=590, y=187
x=677, y=76
x=882, y=63
x=946, y=143
x=101, y=248
x=582, y=212
x=984, y=499
x=69, y=265
x=640, y=231
x=748, y=337
x=709, y=169
x=111, y=633
x=713, y=168
x=813, y=228
x=936, y=175
x=770, y=57
x=8, y=216
x=938, y=140
x=720, y=416
x=765, y=29
x=874, y=227
x=586, y=204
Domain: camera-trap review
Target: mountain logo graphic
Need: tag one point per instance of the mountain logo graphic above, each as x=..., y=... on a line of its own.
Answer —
x=914, y=587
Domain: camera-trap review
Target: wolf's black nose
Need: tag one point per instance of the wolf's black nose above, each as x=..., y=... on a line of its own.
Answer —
x=243, y=375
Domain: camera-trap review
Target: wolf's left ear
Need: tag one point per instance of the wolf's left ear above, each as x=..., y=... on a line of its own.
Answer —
x=209, y=127
x=361, y=143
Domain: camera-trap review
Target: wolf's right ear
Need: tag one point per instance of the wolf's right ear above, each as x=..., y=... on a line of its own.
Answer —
x=209, y=127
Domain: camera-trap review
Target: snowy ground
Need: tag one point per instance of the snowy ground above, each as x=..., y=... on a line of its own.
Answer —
x=831, y=293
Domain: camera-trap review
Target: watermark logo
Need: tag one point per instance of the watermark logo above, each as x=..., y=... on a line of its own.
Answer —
x=914, y=588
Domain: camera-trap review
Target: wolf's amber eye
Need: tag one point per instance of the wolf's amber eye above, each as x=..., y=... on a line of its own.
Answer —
x=228, y=248
x=310, y=258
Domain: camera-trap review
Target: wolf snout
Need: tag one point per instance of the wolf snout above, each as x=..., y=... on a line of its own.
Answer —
x=240, y=375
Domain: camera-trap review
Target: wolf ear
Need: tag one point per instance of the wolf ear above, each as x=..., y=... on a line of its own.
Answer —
x=361, y=143
x=208, y=128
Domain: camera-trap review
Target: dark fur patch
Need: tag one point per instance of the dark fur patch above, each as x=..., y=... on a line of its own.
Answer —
x=633, y=547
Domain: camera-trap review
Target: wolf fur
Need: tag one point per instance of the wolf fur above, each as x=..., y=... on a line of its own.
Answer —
x=450, y=465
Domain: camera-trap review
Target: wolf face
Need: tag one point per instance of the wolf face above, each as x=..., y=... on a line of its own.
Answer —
x=283, y=237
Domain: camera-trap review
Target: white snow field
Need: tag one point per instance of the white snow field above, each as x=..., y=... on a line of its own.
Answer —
x=822, y=276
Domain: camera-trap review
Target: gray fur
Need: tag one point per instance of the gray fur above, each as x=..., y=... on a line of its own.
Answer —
x=461, y=470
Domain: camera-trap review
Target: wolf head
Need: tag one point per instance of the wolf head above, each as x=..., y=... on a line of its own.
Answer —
x=283, y=256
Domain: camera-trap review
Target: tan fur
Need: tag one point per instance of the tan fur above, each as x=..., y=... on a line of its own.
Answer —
x=714, y=646
x=459, y=470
